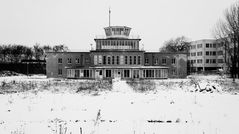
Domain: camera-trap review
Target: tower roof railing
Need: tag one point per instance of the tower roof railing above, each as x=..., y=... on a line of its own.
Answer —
x=105, y=37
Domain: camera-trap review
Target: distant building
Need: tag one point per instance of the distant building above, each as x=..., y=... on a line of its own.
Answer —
x=116, y=55
x=207, y=55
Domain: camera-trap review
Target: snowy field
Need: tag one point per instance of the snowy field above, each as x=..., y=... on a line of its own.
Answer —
x=196, y=105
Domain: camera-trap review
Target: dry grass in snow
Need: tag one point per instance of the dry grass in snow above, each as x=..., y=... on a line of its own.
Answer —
x=198, y=105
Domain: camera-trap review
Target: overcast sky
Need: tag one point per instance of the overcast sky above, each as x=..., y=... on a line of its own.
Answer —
x=75, y=23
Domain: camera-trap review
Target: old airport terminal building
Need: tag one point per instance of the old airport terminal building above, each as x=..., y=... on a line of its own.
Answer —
x=116, y=56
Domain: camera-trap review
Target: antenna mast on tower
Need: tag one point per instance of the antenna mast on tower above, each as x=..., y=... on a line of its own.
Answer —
x=109, y=16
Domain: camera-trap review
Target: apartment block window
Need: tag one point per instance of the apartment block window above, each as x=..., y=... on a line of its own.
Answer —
x=220, y=60
x=113, y=59
x=60, y=60
x=210, y=45
x=135, y=59
x=173, y=61
x=193, y=54
x=214, y=45
x=193, y=46
x=78, y=60
x=199, y=53
x=104, y=60
x=220, y=53
x=69, y=60
x=130, y=60
x=146, y=61
x=214, y=53
x=213, y=60
x=199, y=45
x=207, y=52
x=117, y=60
x=207, y=60
x=126, y=60
x=139, y=60
x=164, y=61
x=207, y=45
x=109, y=60
x=199, y=60
x=59, y=71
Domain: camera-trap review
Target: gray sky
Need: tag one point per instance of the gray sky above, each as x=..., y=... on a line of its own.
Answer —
x=75, y=23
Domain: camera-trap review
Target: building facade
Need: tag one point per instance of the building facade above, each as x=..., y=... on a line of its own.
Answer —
x=116, y=56
x=206, y=55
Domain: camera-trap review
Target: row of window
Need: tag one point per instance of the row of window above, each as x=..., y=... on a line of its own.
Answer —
x=208, y=61
x=208, y=45
x=117, y=60
x=208, y=53
x=164, y=61
x=211, y=53
x=117, y=44
x=69, y=60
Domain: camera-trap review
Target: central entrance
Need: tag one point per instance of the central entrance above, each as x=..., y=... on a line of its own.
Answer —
x=117, y=73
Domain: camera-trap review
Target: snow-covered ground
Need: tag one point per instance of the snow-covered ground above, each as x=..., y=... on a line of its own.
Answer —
x=175, y=106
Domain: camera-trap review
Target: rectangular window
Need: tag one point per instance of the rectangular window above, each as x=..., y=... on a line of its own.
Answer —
x=220, y=61
x=86, y=73
x=146, y=61
x=121, y=59
x=104, y=60
x=117, y=60
x=210, y=45
x=69, y=60
x=207, y=45
x=126, y=73
x=108, y=73
x=60, y=60
x=59, y=71
x=139, y=60
x=78, y=60
x=220, y=53
x=199, y=53
x=100, y=59
x=214, y=53
x=109, y=60
x=213, y=60
x=95, y=60
x=130, y=60
x=199, y=45
x=156, y=61
x=113, y=59
x=207, y=52
x=214, y=45
x=135, y=60
x=207, y=60
x=173, y=61
x=126, y=60
x=199, y=60
x=164, y=61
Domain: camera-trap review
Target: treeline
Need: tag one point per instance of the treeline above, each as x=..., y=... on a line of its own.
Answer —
x=15, y=53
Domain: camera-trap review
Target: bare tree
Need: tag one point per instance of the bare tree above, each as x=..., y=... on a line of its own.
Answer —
x=227, y=31
x=60, y=48
x=38, y=51
x=179, y=44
